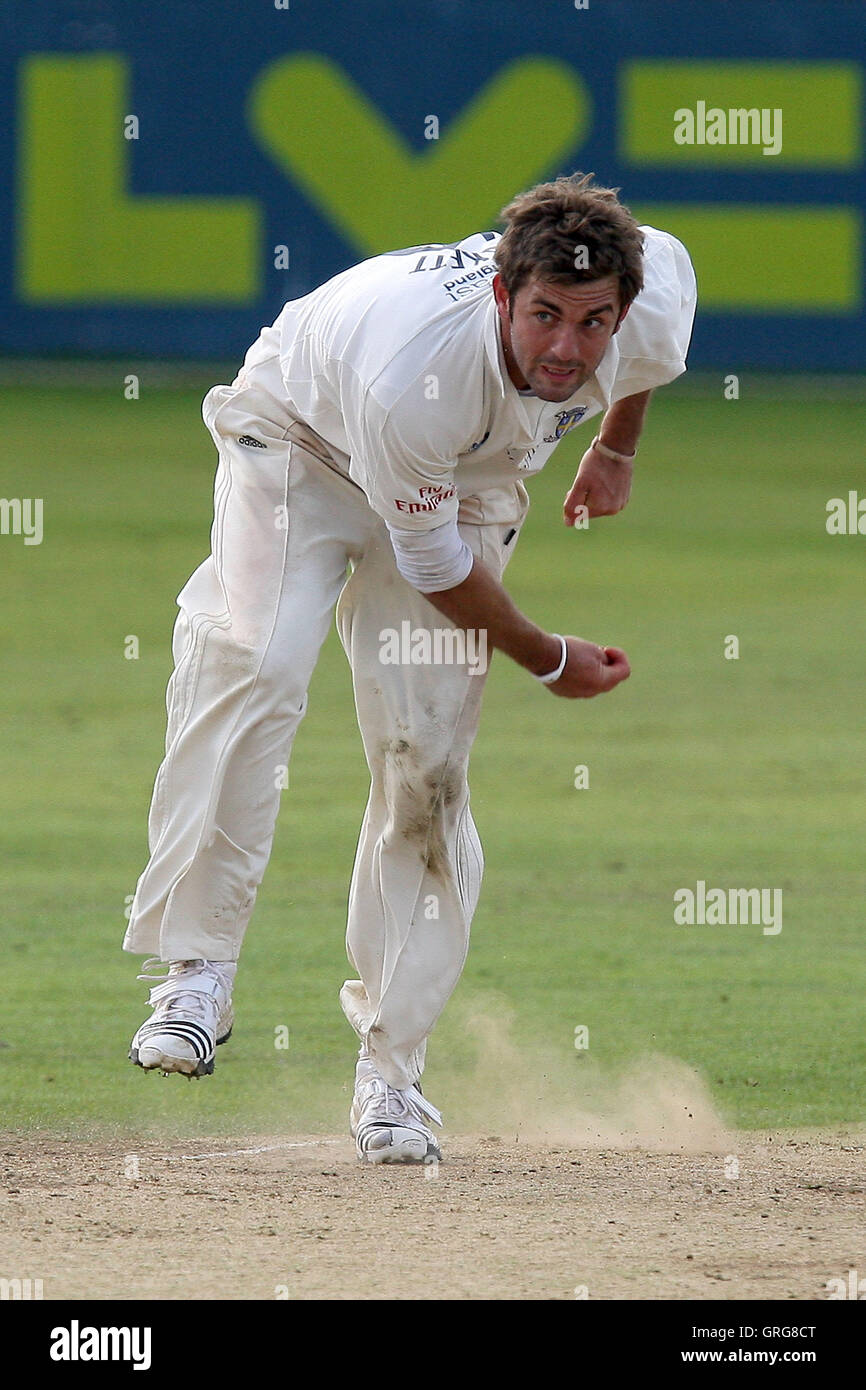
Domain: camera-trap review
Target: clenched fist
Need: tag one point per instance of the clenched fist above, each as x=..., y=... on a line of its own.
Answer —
x=602, y=485
x=590, y=670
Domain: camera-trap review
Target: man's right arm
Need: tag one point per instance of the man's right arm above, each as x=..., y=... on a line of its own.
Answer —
x=410, y=470
x=481, y=602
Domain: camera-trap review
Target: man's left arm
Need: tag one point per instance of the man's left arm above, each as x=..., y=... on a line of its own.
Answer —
x=603, y=484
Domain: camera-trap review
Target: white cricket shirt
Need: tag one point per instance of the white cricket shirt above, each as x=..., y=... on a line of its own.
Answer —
x=397, y=364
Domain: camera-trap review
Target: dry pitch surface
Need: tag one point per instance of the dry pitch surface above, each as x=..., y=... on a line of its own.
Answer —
x=499, y=1219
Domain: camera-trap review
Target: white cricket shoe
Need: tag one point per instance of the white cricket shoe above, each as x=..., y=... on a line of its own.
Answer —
x=388, y=1125
x=192, y=1015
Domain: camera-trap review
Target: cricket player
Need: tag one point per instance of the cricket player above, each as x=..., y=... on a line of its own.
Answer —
x=373, y=455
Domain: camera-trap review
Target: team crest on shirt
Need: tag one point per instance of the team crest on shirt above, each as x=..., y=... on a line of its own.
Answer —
x=565, y=421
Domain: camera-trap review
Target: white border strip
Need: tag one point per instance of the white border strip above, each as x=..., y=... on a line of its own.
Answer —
x=263, y=1149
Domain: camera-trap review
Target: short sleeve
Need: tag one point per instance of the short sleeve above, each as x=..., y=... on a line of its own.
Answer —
x=654, y=338
x=405, y=459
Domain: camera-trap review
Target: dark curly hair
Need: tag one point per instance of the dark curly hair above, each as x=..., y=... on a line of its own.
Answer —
x=547, y=226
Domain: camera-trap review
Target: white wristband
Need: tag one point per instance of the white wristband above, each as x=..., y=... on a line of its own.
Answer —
x=555, y=675
x=611, y=453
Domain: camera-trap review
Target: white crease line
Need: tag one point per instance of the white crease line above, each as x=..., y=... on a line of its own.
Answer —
x=265, y=1148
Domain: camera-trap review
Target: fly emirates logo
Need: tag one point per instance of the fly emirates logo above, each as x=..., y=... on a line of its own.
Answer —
x=430, y=498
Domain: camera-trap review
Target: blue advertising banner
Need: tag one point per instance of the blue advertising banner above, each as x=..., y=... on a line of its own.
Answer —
x=173, y=172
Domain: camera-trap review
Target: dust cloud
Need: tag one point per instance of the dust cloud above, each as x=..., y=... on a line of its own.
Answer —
x=522, y=1090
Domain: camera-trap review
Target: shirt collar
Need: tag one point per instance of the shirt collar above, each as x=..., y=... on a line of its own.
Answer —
x=605, y=373
x=493, y=349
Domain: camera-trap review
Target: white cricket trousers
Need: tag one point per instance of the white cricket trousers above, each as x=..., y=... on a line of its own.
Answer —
x=287, y=525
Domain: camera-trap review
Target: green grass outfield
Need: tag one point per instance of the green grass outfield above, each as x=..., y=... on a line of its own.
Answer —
x=741, y=772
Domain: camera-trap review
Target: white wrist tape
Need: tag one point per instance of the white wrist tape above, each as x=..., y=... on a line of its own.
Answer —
x=555, y=675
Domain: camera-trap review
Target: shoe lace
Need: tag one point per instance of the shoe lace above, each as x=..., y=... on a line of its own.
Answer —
x=149, y=975
x=392, y=1103
x=200, y=1005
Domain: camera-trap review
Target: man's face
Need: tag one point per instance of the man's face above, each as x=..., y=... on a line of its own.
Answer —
x=556, y=334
